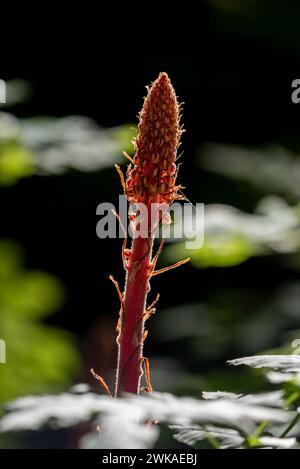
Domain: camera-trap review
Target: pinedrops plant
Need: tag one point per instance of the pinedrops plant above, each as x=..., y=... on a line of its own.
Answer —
x=150, y=187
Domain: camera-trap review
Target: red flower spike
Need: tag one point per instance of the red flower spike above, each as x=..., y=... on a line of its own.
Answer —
x=152, y=179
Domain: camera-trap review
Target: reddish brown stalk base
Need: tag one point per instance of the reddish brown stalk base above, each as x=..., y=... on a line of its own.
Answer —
x=131, y=335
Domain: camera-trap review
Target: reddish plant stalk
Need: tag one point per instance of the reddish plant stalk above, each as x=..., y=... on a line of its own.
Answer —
x=132, y=330
x=150, y=180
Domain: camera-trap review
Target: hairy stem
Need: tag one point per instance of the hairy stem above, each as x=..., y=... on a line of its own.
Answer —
x=130, y=340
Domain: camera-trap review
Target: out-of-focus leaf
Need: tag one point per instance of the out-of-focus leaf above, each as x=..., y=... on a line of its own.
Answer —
x=271, y=442
x=124, y=135
x=11, y=256
x=217, y=251
x=48, y=145
x=231, y=236
x=273, y=169
x=9, y=128
x=114, y=416
x=38, y=357
x=273, y=399
x=221, y=438
x=17, y=91
x=73, y=142
x=276, y=377
x=42, y=294
x=118, y=431
x=15, y=162
x=225, y=438
x=286, y=363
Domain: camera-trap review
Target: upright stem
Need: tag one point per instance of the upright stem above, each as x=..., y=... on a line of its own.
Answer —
x=130, y=340
x=151, y=181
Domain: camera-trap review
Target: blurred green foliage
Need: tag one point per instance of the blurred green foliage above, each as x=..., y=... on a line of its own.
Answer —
x=221, y=251
x=49, y=145
x=39, y=358
x=15, y=162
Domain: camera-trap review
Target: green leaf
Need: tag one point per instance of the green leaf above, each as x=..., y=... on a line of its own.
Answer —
x=15, y=162
x=217, y=251
x=39, y=358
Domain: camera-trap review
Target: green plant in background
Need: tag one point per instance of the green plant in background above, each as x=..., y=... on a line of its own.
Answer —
x=219, y=420
x=233, y=236
x=49, y=146
x=16, y=162
x=38, y=357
